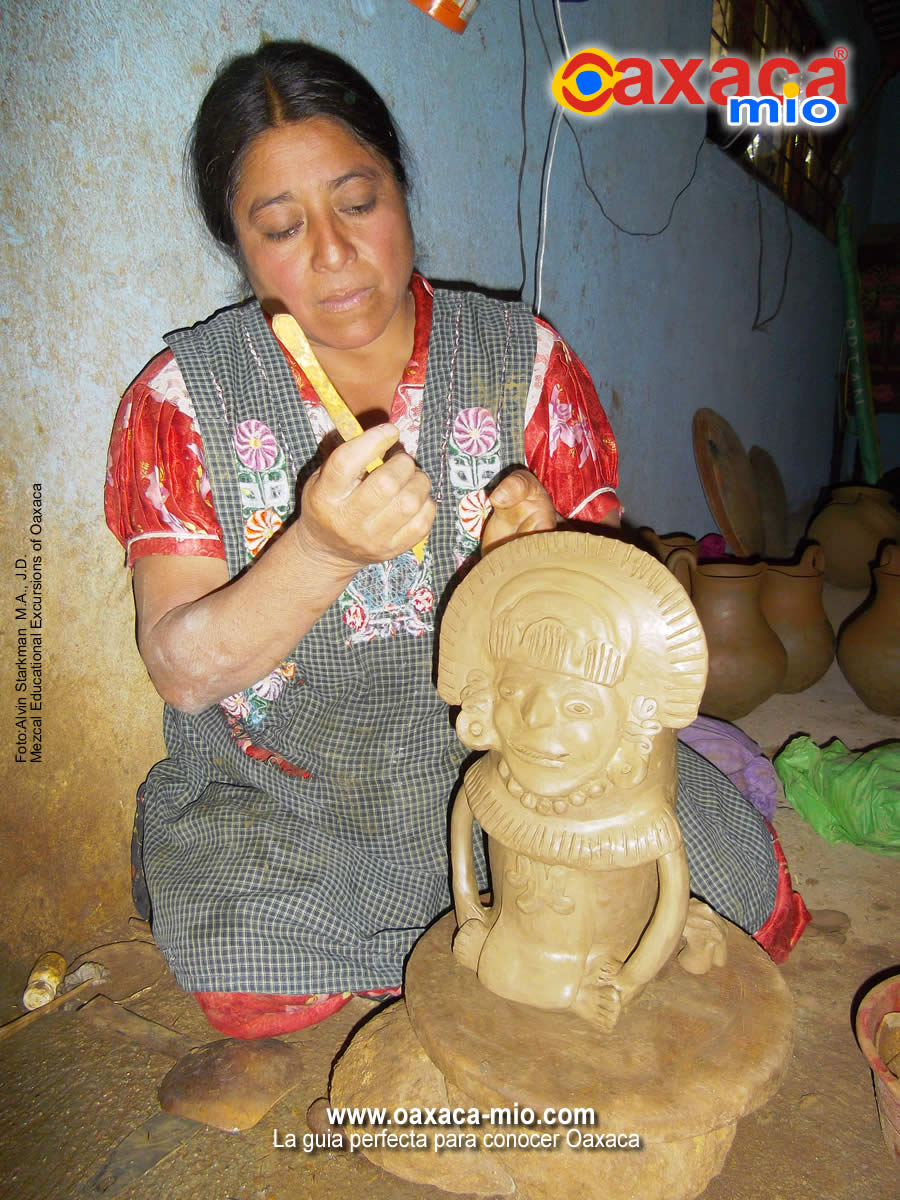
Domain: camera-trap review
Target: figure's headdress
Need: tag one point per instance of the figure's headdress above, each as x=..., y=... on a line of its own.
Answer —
x=584, y=604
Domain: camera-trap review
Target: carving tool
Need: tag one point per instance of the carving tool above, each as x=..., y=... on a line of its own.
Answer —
x=295, y=342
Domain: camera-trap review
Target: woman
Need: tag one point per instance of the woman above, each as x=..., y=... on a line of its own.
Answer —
x=294, y=841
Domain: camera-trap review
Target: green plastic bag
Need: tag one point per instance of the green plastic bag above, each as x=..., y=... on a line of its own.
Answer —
x=846, y=795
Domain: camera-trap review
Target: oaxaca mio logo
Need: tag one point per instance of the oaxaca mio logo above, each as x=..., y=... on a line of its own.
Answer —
x=787, y=93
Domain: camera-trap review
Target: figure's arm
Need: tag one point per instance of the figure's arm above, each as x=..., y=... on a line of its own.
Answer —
x=465, y=885
x=662, y=936
x=202, y=638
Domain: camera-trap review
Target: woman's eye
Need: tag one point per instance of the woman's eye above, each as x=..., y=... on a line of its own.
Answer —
x=357, y=210
x=282, y=235
x=578, y=708
x=507, y=691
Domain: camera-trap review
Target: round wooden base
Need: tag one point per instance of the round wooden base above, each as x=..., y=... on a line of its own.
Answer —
x=687, y=1060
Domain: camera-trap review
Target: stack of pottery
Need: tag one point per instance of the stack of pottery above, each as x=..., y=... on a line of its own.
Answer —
x=850, y=529
x=791, y=602
x=869, y=645
x=661, y=545
x=747, y=662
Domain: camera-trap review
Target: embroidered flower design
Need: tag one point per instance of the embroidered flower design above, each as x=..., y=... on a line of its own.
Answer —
x=271, y=687
x=474, y=431
x=422, y=598
x=260, y=526
x=569, y=429
x=237, y=705
x=355, y=617
x=474, y=510
x=255, y=445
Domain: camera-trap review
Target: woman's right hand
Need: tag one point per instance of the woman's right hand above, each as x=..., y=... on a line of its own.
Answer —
x=354, y=518
x=203, y=638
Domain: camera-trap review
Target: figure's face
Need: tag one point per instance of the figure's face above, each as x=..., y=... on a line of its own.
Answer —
x=324, y=234
x=557, y=733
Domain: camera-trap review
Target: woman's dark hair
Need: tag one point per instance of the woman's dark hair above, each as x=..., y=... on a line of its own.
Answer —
x=280, y=83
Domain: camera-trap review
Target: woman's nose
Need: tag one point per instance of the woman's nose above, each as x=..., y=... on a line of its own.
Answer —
x=331, y=248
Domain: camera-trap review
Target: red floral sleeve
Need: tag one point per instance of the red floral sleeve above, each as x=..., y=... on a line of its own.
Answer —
x=158, y=498
x=569, y=444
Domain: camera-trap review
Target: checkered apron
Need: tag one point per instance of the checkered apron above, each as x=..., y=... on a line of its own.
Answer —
x=264, y=882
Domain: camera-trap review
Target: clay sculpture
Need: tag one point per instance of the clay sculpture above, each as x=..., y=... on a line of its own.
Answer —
x=573, y=676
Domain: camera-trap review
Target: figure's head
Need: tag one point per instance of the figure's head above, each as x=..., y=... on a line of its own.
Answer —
x=281, y=83
x=558, y=641
x=568, y=654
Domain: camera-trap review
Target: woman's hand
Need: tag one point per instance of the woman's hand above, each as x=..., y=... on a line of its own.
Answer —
x=203, y=637
x=520, y=506
x=354, y=518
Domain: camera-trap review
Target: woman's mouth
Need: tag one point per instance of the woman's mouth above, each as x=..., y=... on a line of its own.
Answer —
x=345, y=300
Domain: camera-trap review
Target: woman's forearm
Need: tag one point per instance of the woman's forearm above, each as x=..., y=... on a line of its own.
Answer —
x=211, y=646
x=203, y=638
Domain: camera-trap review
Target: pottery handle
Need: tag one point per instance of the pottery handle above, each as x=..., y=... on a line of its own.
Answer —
x=683, y=563
x=813, y=558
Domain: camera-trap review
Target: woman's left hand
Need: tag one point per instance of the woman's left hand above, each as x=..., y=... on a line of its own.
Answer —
x=520, y=506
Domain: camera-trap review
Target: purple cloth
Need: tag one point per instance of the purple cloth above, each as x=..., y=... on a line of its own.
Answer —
x=738, y=757
x=713, y=545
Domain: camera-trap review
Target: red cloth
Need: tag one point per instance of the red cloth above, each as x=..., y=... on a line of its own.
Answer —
x=788, y=918
x=249, y=1015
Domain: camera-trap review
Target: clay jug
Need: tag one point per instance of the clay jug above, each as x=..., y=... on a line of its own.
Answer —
x=662, y=545
x=791, y=602
x=850, y=528
x=869, y=644
x=747, y=662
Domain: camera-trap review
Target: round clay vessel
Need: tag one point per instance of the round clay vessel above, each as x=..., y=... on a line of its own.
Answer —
x=850, y=528
x=661, y=545
x=791, y=601
x=747, y=662
x=869, y=644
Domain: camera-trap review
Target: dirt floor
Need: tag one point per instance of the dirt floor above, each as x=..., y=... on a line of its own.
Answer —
x=70, y=1095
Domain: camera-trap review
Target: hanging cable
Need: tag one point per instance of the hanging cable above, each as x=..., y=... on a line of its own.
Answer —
x=519, y=225
x=545, y=195
x=596, y=198
x=759, y=325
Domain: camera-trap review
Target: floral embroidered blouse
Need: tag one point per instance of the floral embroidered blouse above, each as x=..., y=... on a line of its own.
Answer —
x=158, y=497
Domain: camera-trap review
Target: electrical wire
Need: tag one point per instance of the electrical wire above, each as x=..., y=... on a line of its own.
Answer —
x=545, y=197
x=759, y=325
x=621, y=228
x=519, y=225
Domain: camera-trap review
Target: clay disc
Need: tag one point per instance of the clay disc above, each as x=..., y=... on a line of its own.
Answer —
x=132, y=966
x=727, y=478
x=694, y=1053
x=230, y=1084
x=772, y=503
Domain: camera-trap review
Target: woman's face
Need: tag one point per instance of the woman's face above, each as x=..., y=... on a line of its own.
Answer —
x=324, y=234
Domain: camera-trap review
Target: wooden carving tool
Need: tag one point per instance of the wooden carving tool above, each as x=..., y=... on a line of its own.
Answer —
x=295, y=342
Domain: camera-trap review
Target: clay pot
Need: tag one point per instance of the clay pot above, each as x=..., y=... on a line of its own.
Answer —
x=869, y=644
x=850, y=528
x=662, y=545
x=791, y=601
x=876, y=1031
x=747, y=662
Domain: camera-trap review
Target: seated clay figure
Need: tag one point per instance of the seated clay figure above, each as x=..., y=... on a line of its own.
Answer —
x=575, y=658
